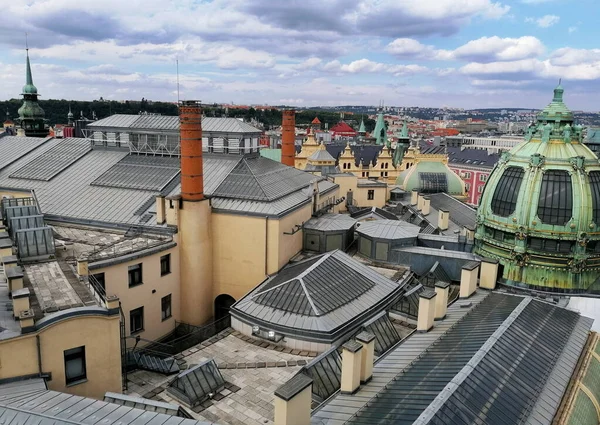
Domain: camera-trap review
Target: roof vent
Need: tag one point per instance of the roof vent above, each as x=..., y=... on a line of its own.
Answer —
x=197, y=384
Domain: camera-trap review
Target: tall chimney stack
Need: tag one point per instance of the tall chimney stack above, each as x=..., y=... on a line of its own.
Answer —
x=190, y=129
x=288, y=137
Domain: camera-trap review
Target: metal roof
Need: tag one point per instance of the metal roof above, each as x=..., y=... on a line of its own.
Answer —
x=460, y=213
x=261, y=179
x=53, y=161
x=196, y=385
x=330, y=223
x=125, y=198
x=139, y=123
x=29, y=402
x=321, y=155
x=493, y=367
x=373, y=212
x=318, y=296
x=15, y=147
x=140, y=172
x=388, y=229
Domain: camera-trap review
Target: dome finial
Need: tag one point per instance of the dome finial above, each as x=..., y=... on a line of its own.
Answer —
x=558, y=92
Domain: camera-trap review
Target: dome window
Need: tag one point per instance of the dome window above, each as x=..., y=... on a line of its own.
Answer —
x=556, y=198
x=504, y=201
x=595, y=189
x=433, y=182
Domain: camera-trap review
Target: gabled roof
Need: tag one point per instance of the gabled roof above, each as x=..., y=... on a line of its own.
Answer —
x=261, y=179
x=319, y=297
x=472, y=157
x=316, y=121
x=342, y=128
x=321, y=155
x=29, y=402
x=460, y=213
x=507, y=361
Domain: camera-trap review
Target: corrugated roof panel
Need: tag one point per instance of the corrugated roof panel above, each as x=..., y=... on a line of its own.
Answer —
x=140, y=172
x=14, y=147
x=54, y=161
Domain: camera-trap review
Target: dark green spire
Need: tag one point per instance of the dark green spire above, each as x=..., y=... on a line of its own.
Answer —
x=29, y=88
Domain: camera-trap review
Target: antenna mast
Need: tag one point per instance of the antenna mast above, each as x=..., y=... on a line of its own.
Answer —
x=178, y=101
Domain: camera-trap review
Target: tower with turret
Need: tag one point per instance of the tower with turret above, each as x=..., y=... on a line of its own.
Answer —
x=31, y=116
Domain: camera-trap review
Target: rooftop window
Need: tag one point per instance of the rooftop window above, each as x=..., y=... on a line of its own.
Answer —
x=556, y=198
x=504, y=200
x=197, y=384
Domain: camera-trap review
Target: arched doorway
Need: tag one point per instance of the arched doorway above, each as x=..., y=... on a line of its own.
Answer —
x=222, y=305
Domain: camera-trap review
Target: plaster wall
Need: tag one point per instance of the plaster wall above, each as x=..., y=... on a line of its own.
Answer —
x=101, y=338
x=148, y=294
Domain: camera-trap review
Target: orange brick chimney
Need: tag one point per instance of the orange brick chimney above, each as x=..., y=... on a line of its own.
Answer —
x=190, y=130
x=288, y=137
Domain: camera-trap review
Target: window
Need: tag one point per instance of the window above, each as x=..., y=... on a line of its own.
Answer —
x=433, y=182
x=75, y=365
x=165, y=307
x=480, y=189
x=467, y=187
x=467, y=175
x=371, y=195
x=504, y=200
x=135, y=275
x=556, y=198
x=165, y=264
x=595, y=189
x=483, y=177
x=100, y=280
x=136, y=320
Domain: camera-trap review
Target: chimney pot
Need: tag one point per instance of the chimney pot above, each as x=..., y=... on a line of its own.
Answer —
x=426, y=315
x=443, y=218
x=425, y=205
x=190, y=129
x=414, y=197
x=468, y=279
x=293, y=401
x=351, y=367
x=161, y=212
x=20, y=299
x=367, y=340
x=441, y=300
x=488, y=273
x=288, y=137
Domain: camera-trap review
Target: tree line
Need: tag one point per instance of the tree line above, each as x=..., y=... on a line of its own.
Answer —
x=57, y=109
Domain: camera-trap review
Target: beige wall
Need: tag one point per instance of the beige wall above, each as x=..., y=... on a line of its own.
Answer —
x=346, y=183
x=246, y=249
x=362, y=198
x=117, y=283
x=101, y=338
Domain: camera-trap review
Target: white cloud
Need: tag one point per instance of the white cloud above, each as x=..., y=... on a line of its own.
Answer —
x=368, y=66
x=484, y=49
x=545, y=21
x=536, y=1
x=568, y=56
x=572, y=29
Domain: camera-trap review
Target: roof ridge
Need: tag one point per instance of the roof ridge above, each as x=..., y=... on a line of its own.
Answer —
x=308, y=297
x=216, y=190
x=262, y=189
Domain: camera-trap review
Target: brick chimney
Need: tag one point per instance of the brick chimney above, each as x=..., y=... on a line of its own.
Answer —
x=288, y=137
x=190, y=129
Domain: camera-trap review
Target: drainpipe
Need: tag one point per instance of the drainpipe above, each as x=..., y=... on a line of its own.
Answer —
x=39, y=354
x=266, y=245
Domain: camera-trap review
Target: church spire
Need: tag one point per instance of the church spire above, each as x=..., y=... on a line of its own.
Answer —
x=31, y=115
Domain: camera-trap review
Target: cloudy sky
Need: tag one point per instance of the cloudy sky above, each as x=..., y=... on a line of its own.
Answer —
x=462, y=53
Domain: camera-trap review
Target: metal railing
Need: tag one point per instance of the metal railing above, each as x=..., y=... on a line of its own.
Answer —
x=97, y=289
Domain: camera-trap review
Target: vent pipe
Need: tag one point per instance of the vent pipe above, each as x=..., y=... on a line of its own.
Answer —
x=190, y=129
x=288, y=137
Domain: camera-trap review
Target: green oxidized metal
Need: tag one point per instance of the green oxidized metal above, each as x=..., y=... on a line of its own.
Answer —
x=31, y=115
x=540, y=209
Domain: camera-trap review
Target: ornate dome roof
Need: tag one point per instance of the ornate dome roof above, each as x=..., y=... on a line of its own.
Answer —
x=539, y=214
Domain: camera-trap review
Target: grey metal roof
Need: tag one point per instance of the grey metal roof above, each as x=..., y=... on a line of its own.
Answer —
x=261, y=179
x=138, y=123
x=341, y=407
x=28, y=402
x=492, y=367
x=373, y=212
x=318, y=296
x=388, y=229
x=321, y=155
x=15, y=147
x=71, y=195
x=142, y=403
x=330, y=223
x=140, y=172
x=460, y=213
x=54, y=161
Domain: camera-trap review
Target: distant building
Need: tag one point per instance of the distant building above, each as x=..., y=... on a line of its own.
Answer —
x=31, y=115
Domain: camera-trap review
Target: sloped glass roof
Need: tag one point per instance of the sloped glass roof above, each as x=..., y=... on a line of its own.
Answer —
x=326, y=372
x=197, y=384
x=386, y=335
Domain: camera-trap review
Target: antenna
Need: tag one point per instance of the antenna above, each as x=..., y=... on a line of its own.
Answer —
x=559, y=81
x=26, y=43
x=177, y=60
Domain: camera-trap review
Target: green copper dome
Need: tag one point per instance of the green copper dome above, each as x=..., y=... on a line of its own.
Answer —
x=431, y=177
x=539, y=214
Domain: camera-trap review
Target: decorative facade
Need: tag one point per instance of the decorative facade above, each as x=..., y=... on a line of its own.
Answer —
x=540, y=210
